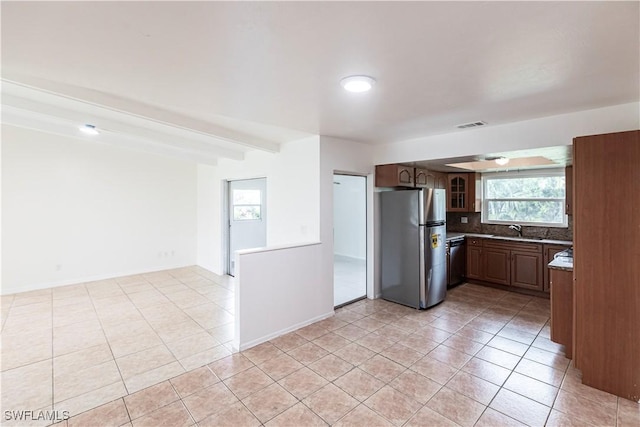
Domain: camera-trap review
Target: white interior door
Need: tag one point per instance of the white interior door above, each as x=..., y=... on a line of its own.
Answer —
x=247, y=216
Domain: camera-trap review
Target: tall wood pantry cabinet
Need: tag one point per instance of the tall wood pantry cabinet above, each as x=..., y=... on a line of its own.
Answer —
x=606, y=198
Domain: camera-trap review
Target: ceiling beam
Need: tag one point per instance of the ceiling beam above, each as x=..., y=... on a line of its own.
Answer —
x=177, y=148
x=102, y=104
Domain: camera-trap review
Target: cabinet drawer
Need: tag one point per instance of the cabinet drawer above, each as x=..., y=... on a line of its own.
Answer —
x=513, y=245
x=474, y=241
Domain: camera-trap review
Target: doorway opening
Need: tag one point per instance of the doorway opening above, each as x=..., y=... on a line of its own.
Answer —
x=349, y=238
x=247, y=217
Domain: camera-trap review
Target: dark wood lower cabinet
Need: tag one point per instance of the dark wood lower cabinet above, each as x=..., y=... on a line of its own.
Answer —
x=506, y=263
x=497, y=266
x=516, y=264
x=526, y=270
x=562, y=309
x=474, y=259
x=549, y=252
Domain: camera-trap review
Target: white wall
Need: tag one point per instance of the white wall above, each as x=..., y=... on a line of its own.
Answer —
x=544, y=132
x=280, y=290
x=273, y=300
x=350, y=216
x=337, y=155
x=292, y=197
x=75, y=211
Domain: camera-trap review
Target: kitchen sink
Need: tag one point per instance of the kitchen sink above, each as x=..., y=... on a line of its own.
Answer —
x=520, y=239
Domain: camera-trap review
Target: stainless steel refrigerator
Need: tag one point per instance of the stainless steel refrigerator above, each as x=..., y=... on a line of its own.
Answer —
x=413, y=254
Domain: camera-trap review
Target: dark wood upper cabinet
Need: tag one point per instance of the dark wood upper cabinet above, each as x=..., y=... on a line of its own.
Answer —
x=568, y=175
x=430, y=179
x=457, y=192
x=408, y=176
x=394, y=176
x=475, y=192
x=606, y=201
x=463, y=192
x=425, y=178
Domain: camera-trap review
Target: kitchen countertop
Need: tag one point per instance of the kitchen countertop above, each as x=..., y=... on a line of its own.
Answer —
x=562, y=263
x=453, y=235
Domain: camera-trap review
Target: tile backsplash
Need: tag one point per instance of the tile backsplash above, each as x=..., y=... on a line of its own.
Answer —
x=475, y=225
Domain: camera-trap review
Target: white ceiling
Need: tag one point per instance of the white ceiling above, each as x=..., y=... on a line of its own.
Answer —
x=536, y=158
x=269, y=72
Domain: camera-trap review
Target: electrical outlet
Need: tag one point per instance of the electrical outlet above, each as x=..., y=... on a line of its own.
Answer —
x=464, y=219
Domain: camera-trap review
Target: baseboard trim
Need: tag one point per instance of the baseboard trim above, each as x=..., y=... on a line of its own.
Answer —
x=55, y=284
x=255, y=342
x=349, y=257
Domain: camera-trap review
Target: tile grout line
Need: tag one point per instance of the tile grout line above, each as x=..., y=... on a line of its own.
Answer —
x=385, y=384
x=184, y=312
x=150, y=326
x=126, y=408
x=107, y=340
x=451, y=315
x=458, y=370
x=180, y=399
x=52, y=359
x=512, y=371
x=126, y=389
x=565, y=372
x=13, y=300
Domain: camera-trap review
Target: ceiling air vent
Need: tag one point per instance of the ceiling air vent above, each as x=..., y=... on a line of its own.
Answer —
x=471, y=125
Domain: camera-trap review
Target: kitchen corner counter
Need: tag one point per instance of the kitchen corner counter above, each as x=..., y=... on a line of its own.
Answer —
x=452, y=236
x=561, y=263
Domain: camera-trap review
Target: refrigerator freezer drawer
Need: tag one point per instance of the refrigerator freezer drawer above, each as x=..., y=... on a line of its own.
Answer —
x=436, y=285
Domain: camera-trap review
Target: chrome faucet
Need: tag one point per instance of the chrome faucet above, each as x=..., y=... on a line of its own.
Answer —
x=518, y=228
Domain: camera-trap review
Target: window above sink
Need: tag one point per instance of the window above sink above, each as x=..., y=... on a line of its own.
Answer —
x=533, y=197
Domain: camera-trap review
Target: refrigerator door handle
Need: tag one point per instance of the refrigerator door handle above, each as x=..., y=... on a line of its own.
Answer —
x=423, y=287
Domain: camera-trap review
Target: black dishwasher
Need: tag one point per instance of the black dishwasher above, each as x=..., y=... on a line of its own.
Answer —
x=457, y=262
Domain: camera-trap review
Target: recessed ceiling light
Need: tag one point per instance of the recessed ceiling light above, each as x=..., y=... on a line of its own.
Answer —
x=502, y=161
x=358, y=83
x=88, y=129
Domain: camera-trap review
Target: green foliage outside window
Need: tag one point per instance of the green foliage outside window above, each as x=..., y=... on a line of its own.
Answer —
x=525, y=199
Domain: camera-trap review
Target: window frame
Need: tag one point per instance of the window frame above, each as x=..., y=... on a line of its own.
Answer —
x=536, y=173
x=247, y=219
x=247, y=205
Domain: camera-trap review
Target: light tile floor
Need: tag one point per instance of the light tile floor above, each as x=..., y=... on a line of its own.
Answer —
x=349, y=279
x=77, y=347
x=481, y=358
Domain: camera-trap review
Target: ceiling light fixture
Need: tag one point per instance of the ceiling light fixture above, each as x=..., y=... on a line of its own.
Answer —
x=358, y=83
x=502, y=161
x=88, y=129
